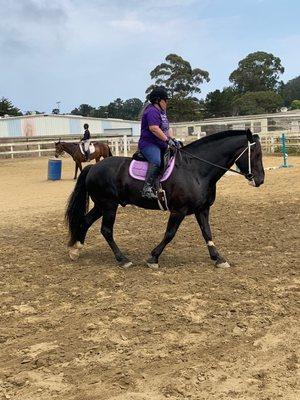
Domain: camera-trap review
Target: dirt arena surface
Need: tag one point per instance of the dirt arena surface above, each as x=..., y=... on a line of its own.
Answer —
x=89, y=330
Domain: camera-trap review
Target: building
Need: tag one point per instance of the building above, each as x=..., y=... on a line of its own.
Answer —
x=265, y=124
x=50, y=125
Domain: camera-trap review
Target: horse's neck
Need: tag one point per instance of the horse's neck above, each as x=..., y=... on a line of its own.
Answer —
x=70, y=148
x=222, y=152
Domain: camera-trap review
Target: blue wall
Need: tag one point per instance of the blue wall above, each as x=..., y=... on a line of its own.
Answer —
x=14, y=128
x=74, y=125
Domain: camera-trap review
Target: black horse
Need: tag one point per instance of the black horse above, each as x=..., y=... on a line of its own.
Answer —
x=191, y=189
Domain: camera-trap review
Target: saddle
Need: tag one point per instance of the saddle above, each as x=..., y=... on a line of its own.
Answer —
x=91, y=148
x=138, y=170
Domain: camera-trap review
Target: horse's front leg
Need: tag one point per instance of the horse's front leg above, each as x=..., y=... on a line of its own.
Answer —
x=77, y=165
x=108, y=220
x=175, y=220
x=203, y=221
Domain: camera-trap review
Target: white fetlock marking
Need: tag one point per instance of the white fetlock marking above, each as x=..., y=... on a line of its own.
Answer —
x=73, y=253
x=78, y=245
x=153, y=265
x=223, y=265
x=210, y=243
x=127, y=265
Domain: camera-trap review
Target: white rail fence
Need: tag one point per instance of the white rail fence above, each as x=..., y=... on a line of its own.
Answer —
x=122, y=145
x=118, y=146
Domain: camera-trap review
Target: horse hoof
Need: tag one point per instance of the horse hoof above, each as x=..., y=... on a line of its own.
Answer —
x=153, y=265
x=74, y=254
x=78, y=245
x=223, y=265
x=126, y=264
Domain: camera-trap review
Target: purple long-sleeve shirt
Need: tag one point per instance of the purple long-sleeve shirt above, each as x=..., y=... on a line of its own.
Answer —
x=153, y=116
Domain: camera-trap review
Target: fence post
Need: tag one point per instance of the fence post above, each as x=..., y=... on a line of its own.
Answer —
x=117, y=147
x=39, y=149
x=284, y=153
x=12, y=151
x=272, y=144
x=125, y=145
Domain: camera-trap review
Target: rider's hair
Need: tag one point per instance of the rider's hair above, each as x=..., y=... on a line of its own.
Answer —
x=158, y=93
x=86, y=126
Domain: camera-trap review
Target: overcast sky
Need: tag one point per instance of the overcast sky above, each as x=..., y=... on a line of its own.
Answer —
x=93, y=51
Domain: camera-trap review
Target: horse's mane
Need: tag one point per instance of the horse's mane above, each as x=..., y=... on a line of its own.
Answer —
x=217, y=136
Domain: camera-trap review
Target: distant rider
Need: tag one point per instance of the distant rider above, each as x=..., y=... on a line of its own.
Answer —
x=155, y=137
x=86, y=139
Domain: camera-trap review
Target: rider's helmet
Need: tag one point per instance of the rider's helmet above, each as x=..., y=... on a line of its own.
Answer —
x=158, y=93
x=86, y=126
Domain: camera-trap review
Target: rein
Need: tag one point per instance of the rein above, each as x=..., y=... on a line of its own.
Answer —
x=248, y=176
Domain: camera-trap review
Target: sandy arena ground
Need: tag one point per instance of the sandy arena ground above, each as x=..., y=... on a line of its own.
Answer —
x=89, y=330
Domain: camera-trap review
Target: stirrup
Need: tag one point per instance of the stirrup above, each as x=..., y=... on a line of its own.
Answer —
x=162, y=199
x=149, y=194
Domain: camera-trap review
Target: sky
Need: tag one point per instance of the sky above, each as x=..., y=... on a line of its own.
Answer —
x=93, y=51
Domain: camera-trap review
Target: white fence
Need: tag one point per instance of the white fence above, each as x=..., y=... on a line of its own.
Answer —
x=122, y=145
x=118, y=146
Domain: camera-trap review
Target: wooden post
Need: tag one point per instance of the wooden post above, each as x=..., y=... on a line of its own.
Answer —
x=39, y=149
x=272, y=144
x=117, y=147
x=125, y=146
x=12, y=151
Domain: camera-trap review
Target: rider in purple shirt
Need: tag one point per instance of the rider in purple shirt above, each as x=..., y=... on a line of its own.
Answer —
x=155, y=137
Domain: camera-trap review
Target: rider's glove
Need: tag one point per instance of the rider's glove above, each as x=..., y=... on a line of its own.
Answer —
x=173, y=144
x=178, y=143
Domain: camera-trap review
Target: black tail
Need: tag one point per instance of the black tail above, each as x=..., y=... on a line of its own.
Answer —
x=77, y=206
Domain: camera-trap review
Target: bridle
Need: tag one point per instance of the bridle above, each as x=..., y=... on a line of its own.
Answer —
x=248, y=176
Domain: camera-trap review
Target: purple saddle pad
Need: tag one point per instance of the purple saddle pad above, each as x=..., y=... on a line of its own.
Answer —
x=138, y=169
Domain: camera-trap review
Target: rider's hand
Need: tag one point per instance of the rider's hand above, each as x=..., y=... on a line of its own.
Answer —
x=178, y=143
x=173, y=143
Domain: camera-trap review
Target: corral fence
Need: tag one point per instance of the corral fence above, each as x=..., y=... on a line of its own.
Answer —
x=273, y=143
x=24, y=147
x=124, y=145
x=270, y=143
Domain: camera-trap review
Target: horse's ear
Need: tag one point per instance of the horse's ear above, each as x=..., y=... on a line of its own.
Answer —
x=249, y=136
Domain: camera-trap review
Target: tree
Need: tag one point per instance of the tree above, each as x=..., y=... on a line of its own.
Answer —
x=34, y=112
x=177, y=75
x=258, y=103
x=132, y=108
x=291, y=91
x=257, y=72
x=7, y=108
x=295, y=105
x=220, y=103
x=115, y=108
x=84, y=109
x=100, y=112
x=190, y=109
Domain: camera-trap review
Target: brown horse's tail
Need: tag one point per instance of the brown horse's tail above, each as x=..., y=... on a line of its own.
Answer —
x=77, y=207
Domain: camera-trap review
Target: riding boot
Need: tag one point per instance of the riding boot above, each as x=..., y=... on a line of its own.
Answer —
x=150, y=181
x=87, y=155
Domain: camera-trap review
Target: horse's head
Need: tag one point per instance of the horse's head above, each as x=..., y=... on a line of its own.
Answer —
x=59, y=150
x=255, y=174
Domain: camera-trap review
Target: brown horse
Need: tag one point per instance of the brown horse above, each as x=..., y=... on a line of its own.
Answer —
x=101, y=150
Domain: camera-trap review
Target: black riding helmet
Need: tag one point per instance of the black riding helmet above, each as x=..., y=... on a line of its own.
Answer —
x=159, y=93
x=86, y=126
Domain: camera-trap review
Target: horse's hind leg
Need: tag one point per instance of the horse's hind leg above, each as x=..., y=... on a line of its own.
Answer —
x=174, y=222
x=92, y=216
x=203, y=221
x=108, y=220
